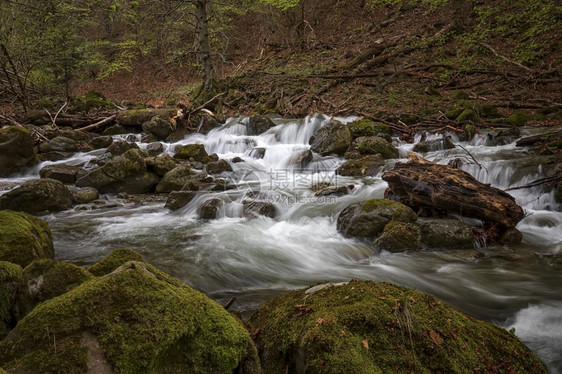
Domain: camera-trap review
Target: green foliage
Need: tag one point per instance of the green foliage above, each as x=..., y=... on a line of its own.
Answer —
x=281, y=4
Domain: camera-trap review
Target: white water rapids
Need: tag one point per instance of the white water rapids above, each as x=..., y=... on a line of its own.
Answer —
x=257, y=259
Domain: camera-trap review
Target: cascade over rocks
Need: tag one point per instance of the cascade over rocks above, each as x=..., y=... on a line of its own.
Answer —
x=423, y=184
x=373, y=327
x=16, y=150
x=258, y=125
x=38, y=195
x=333, y=138
x=368, y=166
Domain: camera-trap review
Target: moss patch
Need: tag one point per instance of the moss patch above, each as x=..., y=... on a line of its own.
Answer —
x=399, y=236
x=518, y=118
x=371, y=327
x=145, y=322
x=10, y=278
x=24, y=238
x=115, y=259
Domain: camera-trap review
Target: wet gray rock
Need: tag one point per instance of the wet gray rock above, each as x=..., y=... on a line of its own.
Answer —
x=303, y=158
x=371, y=145
x=332, y=191
x=101, y=142
x=160, y=165
x=177, y=179
x=60, y=143
x=16, y=150
x=218, y=167
x=333, y=138
x=448, y=233
x=116, y=130
x=64, y=173
x=368, y=166
x=119, y=147
x=154, y=149
x=210, y=208
x=179, y=199
x=38, y=195
x=257, y=153
x=258, y=125
x=433, y=145
x=159, y=127
x=83, y=195
x=253, y=209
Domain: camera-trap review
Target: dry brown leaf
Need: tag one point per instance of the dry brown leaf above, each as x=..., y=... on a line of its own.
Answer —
x=436, y=337
x=319, y=321
x=381, y=297
x=365, y=344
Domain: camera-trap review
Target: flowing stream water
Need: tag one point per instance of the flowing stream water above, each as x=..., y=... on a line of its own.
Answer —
x=256, y=259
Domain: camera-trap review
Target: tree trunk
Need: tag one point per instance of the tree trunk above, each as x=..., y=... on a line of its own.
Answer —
x=204, y=48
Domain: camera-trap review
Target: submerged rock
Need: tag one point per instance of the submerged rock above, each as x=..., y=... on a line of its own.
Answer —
x=333, y=138
x=368, y=219
x=254, y=209
x=45, y=279
x=24, y=238
x=16, y=150
x=136, y=319
x=38, y=195
x=372, y=327
x=210, y=208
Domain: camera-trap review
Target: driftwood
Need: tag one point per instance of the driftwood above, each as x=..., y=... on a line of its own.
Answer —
x=98, y=124
x=423, y=184
x=530, y=140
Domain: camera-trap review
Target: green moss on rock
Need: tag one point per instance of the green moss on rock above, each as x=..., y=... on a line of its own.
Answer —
x=372, y=327
x=366, y=127
x=460, y=95
x=399, y=236
x=467, y=115
x=10, y=278
x=24, y=238
x=115, y=259
x=193, y=152
x=142, y=320
x=518, y=118
x=46, y=279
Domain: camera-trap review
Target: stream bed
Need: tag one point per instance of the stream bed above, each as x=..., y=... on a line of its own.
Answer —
x=256, y=259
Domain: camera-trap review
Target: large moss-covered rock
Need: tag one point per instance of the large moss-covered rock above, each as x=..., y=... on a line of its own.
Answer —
x=24, y=238
x=447, y=233
x=368, y=219
x=372, y=327
x=160, y=165
x=136, y=117
x=10, y=279
x=376, y=145
x=119, y=147
x=45, y=279
x=125, y=173
x=366, y=127
x=135, y=320
x=518, y=118
x=93, y=100
x=62, y=144
x=333, y=138
x=161, y=128
x=193, y=152
x=177, y=179
x=16, y=150
x=367, y=166
x=399, y=236
x=434, y=145
x=38, y=195
x=258, y=125
x=115, y=259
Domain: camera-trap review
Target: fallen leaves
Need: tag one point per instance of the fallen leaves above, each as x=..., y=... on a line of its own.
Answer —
x=437, y=339
x=365, y=344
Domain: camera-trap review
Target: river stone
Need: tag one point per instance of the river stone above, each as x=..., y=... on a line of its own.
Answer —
x=178, y=134
x=119, y=147
x=433, y=145
x=154, y=149
x=140, y=319
x=193, y=152
x=45, y=279
x=368, y=218
x=64, y=173
x=376, y=145
x=210, y=208
x=511, y=236
x=161, y=164
x=125, y=173
x=176, y=179
x=16, y=150
x=302, y=159
x=399, y=236
x=77, y=136
x=160, y=128
x=332, y=191
x=37, y=196
x=116, y=130
x=333, y=138
x=137, y=117
x=10, y=280
x=115, y=259
x=179, y=199
x=368, y=166
x=101, y=142
x=217, y=167
x=24, y=238
x=446, y=233
x=366, y=127
x=206, y=123
x=258, y=125
x=252, y=209
x=257, y=153
x=60, y=143
x=83, y=195
x=375, y=327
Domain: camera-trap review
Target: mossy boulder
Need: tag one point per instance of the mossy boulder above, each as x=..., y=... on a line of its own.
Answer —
x=112, y=261
x=446, y=233
x=136, y=319
x=193, y=152
x=63, y=173
x=217, y=167
x=368, y=166
x=399, y=236
x=518, y=118
x=24, y=238
x=159, y=127
x=93, y=100
x=177, y=179
x=10, y=279
x=179, y=199
x=258, y=125
x=467, y=115
x=487, y=110
x=125, y=173
x=372, y=327
x=136, y=117
x=376, y=145
x=160, y=165
x=333, y=138
x=37, y=196
x=16, y=150
x=368, y=219
x=119, y=147
x=460, y=95
x=62, y=144
x=45, y=279
x=366, y=127
x=433, y=145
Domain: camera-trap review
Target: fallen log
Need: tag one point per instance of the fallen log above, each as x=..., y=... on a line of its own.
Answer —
x=530, y=140
x=423, y=184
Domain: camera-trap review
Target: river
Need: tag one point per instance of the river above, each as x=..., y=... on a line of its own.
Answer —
x=256, y=259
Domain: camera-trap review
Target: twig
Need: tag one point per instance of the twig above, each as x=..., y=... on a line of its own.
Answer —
x=11, y=120
x=54, y=119
x=538, y=182
x=230, y=302
x=505, y=58
x=206, y=103
x=97, y=124
x=472, y=157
